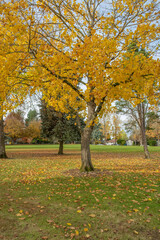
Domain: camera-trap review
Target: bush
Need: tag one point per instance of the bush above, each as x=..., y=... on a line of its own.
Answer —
x=40, y=141
x=121, y=142
x=152, y=142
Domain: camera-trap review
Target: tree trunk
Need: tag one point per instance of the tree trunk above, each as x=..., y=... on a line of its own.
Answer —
x=2, y=140
x=144, y=141
x=85, y=139
x=60, y=152
x=85, y=150
x=143, y=129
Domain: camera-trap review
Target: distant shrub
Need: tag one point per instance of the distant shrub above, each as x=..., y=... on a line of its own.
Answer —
x=40, y=141
x=121, y=142
x=152, y=142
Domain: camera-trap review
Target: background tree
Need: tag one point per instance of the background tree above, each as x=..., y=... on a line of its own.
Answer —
x=136, y=136
x=97, y=134
x=116, y=127
x=106, y=126
x=14, y=126
x=122, y=137
x=153, y=128
x=33, y=130
x=60, y=125
x=138, y=117
x=31, y=116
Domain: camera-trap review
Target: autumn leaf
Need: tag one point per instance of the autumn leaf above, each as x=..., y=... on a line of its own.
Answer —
x=86, y=229
x=18, y=214
x=10, y=210
x=50, y=221
x=76, y=232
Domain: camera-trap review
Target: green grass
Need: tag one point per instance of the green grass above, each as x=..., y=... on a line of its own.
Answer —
x=40, y=199
x=94, y=148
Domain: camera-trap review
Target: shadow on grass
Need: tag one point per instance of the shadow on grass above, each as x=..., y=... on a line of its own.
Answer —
x=102, y=206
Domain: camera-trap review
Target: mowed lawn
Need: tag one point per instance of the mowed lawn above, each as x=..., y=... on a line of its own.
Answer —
x=45, y=196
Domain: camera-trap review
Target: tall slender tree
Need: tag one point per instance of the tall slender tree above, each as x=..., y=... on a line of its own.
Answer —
x=138, y=114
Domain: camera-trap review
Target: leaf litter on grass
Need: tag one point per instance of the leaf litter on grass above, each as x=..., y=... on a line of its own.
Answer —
x=117, y=201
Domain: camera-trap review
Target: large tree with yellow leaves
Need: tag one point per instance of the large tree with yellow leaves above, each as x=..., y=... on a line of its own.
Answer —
x=80, y=52
x=13, y=59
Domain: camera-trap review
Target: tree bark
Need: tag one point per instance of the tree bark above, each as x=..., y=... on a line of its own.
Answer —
x=2, y=140
x=85, y=150
x=60, y=152
x=85, y=139
x=143, y=129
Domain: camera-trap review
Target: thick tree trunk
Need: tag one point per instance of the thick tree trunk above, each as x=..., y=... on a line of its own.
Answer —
x=85, y=139
x=60, y=152
x=85, y=150
x=2, y=140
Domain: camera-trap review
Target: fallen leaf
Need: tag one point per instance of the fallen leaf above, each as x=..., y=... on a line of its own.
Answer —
x=18, y=214
x=87, y=236
x=77, y=233
x=135, y=210
x=86, y=229
x=50, y=221
x=10, y=210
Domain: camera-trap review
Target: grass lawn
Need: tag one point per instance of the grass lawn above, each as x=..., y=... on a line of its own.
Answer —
x=77, y=147
x=44, y=196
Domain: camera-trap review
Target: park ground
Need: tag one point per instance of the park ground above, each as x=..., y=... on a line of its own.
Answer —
x=45, y=196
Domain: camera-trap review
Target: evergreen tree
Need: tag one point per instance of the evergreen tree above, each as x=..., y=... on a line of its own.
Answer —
x=32, y=115
x=60, y=125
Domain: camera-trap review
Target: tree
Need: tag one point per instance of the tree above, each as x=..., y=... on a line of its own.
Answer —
x=33, y=130
x=140, y=98
x=122, y=135
x=153, y=128
x=138, y=116
x=106, y=126
x=31, y=116
x=97, y=134
x=58, y=124
x=78, y=50
x=116, y=128
x=136, y=136
x=13, y=57
x=14, y=126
